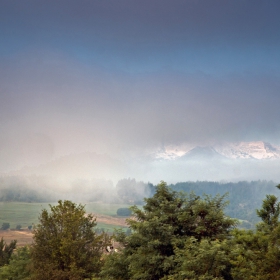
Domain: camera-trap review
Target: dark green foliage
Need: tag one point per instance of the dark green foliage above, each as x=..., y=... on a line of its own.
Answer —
x=18, y=227
x=5, y=226
x=116, y=267
x=168, y=220
x=29, y=227
x=6, y=251
x=203, y=260
x=256, y=254
x=124, y=212
x=269, y=213
x=65, y=245
x=244, y=196
x=18, y=267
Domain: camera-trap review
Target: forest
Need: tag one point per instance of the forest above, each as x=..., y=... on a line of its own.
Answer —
x=174, y=235
x=244, y=197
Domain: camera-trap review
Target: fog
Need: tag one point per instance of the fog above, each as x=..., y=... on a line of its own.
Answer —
x=91, y=91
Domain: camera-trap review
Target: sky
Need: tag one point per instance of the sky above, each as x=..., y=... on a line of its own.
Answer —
x=128, y=76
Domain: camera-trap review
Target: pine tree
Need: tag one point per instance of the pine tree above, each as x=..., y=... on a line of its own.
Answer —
x=166, y=222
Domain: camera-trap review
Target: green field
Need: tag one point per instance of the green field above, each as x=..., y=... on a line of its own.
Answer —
x=104, y=209
x=25, y=214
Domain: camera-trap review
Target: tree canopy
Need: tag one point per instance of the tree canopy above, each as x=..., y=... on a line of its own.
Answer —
x=167, y=221
x=65, y=244
x=174, y=236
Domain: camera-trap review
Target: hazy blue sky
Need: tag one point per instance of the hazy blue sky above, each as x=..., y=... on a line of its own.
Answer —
x=118, y=76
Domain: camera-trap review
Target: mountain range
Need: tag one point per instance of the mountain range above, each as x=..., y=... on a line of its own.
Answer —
x=242, y=150
x=232, y=161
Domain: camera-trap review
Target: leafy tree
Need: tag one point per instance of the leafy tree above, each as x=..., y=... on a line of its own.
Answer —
x=18, y=267
x=18, y=227
x=6, y=251
x=164, y=225
x=65, y=244
x=5, y=226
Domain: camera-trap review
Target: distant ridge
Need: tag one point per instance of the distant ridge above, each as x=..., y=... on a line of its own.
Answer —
x=255, y=150
x=240, y=150
x=202, y=153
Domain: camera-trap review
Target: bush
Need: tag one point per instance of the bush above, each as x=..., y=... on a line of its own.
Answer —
x=18, y=227
x=18, y=267
x=5, y=226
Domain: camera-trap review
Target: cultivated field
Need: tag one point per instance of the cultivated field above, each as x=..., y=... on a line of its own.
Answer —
x=26, y=214
x=23, y=237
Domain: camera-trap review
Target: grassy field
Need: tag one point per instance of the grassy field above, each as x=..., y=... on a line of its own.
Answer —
x=25, y=214
x=104, y=209
x=17, y=213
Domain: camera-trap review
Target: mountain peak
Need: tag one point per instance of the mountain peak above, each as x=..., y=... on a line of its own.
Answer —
x=235, y=150
x=255, y=149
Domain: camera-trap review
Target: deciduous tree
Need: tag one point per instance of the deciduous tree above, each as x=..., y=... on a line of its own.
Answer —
x=65, y=244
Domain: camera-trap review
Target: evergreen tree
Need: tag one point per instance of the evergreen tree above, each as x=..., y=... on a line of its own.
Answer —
x=6, y=251
x=269, y=213
x=166, y=222
x=256, y=254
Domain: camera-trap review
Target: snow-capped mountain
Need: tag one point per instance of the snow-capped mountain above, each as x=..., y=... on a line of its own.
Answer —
x=256, y=150
x=241, y=150
x=201, y=153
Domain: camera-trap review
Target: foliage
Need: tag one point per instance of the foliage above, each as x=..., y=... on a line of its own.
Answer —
x=257, y=254
x=115, y=267
x=5, y=226
x=208, y=259
x=244, y=196
x=65, y=245
x=18, y=227
x=174, y=236
x=168, y=220
x=18, y=267
x=6, y=251
x=269, y=213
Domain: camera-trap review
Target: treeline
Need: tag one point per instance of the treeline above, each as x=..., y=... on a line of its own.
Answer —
x=24, y=189
x=244, y=196
x=45, y=189
x=184, y=236
x=174, y=236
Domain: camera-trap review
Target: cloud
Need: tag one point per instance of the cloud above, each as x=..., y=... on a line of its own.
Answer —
x=74, y=104
x=119, y=76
